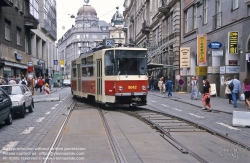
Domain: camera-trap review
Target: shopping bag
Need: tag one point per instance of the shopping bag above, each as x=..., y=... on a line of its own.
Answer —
x=242, y=97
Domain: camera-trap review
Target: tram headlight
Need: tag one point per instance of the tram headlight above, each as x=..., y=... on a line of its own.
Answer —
x=120, y=88
x=144, y=88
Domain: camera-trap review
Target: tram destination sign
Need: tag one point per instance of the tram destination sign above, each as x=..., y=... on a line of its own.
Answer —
x=233, y=42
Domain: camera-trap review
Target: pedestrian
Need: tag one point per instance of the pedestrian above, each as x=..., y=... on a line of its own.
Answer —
x=12, y=81
x=23, y=81
x=18, y=78
x=246, y=90
x=227, y=90
x=195, y=91
x=31, y=84
x=163, y=85
x=2, y=81
x=160, y=84
x=206, y=96
x=40, y=83
x=169, y=85
x=236, y=90
x=58, y=81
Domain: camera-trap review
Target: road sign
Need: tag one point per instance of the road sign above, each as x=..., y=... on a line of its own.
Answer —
x=181, y=82
x=177, y=77
x=55, y=62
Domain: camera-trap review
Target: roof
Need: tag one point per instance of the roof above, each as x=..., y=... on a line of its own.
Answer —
x=86, y=9
x=102, y=23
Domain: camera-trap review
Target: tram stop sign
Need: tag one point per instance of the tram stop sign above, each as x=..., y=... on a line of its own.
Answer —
x=181, y=82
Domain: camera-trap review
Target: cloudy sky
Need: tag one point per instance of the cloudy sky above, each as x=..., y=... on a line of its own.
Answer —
x=105, y=10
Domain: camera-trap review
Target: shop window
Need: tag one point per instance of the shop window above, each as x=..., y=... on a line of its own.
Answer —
x=18, y=35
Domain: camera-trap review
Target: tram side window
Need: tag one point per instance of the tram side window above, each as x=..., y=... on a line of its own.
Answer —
x=84, y=67
x=90, y=70
x=74, y=71
x=109, y=63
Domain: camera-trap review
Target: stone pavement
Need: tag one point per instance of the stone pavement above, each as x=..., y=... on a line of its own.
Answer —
x=53, y=90
x=218, y=104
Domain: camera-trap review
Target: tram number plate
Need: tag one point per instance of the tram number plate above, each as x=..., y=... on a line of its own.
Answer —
x=132, y=87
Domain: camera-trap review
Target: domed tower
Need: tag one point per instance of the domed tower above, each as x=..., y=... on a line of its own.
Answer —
x=86, y=17
x=117, y=19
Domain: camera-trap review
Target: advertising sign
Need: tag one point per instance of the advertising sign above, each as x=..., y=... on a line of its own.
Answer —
x=185, y=57
x=201, y=70
x=215, y=45
x=222, y=69
x=233, y=42
x=217, y=53
x=213, y=89
x=62, y=63
x=202, y=49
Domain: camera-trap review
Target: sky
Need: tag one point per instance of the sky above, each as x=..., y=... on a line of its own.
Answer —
x=105, y=10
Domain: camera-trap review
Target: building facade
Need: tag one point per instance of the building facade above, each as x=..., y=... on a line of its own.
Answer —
x=86, y=33
x=117, y=28
x=155, y=25
x=217, y=34
x=22, y=39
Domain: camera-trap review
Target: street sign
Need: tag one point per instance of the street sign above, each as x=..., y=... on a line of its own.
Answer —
x=177, y=77
x=55, y=62
x=215, y=45
x=181, y=82
x=62, y=63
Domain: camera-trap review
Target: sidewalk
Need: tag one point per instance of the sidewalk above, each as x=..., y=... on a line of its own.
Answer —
x=218, y=104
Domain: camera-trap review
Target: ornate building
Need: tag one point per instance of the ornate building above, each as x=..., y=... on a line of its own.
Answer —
x=156, y=26
x=88, y=30
x=116, y=28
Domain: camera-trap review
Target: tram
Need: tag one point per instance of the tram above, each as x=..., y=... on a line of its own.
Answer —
x=111, y=75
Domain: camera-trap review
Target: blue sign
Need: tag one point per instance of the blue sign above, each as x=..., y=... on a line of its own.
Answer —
x=55, y=62
x=215, y=45
x=18, y=56
x=181, y=82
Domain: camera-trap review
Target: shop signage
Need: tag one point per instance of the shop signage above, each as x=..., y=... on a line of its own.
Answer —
x=232, y=69
x=185, y=57
x=210, y=70
x=216, y=69
x=62, y=63
x=55, y=62
x=233, y=62
x=217, y=53
x=201, y=70
x=222, y=70
x=215, y=45
x=213, y=91
x=233, y=42
x=202, y=49
x=18, y=56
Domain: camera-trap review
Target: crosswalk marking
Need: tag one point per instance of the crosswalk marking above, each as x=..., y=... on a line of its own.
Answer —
x=197, y=116
x=53, y=108
x=56, y=104
x=225, y=125
x=9, y=146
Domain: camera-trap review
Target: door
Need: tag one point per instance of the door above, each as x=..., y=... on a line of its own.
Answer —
x=99, y=80
x=79, y=78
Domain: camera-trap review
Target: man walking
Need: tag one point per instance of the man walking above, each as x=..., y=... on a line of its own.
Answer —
x=236, y=90
x=169, y=86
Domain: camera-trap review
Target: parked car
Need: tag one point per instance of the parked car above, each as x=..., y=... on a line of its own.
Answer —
x=5, y=108
x=66, y=82
x=21, y=98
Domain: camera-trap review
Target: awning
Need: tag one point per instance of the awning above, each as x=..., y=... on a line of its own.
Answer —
x=21, y=66
x=154, y=65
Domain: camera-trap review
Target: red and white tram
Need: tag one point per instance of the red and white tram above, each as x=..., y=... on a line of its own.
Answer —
x=111, y=75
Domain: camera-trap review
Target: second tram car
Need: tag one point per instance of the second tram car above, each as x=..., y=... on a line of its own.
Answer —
x=111, y=75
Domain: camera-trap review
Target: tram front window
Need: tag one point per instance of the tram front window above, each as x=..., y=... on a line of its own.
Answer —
x=125, y=62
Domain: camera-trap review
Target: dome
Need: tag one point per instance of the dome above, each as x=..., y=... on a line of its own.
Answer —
x=117, y=18
x=87, y=10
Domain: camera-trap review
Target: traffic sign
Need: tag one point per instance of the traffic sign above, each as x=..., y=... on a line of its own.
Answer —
x=181, y=82
x=177, y=77
x=55, y=62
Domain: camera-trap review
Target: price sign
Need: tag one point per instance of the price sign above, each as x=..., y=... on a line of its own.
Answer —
x=181, y=82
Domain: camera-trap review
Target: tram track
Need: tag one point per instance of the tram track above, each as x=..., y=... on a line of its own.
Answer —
x=168, y=125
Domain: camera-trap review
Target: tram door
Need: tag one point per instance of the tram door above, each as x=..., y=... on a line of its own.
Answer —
x=79, y=79
x=99, y=80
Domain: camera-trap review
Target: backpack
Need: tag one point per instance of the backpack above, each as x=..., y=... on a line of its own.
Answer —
x=23, y=82
x=231, y=86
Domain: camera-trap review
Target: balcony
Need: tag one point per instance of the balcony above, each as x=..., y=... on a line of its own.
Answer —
x=217, y=20
x=145, y=28
x=30, y=22
x=166, y=6
x=7, y=3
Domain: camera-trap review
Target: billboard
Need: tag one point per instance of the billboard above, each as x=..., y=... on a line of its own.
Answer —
x=202, y=49
x=233, y=42
x=185, y=57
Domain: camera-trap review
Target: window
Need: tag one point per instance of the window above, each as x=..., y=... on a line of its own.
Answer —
x=235, y=4
x=185, y=22
x=120, y=35
x=84, y=67
x=7, y=29
x=195, y=17
x=18, y=35
x=104, y=28
x=205, y=12
x=73, y=69
x=90, y=68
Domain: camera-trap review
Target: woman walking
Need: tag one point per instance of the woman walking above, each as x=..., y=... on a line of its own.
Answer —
x=160, y=85
x=195, y=90
x=228, y=91
x=206, y=96
x=246, y=90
